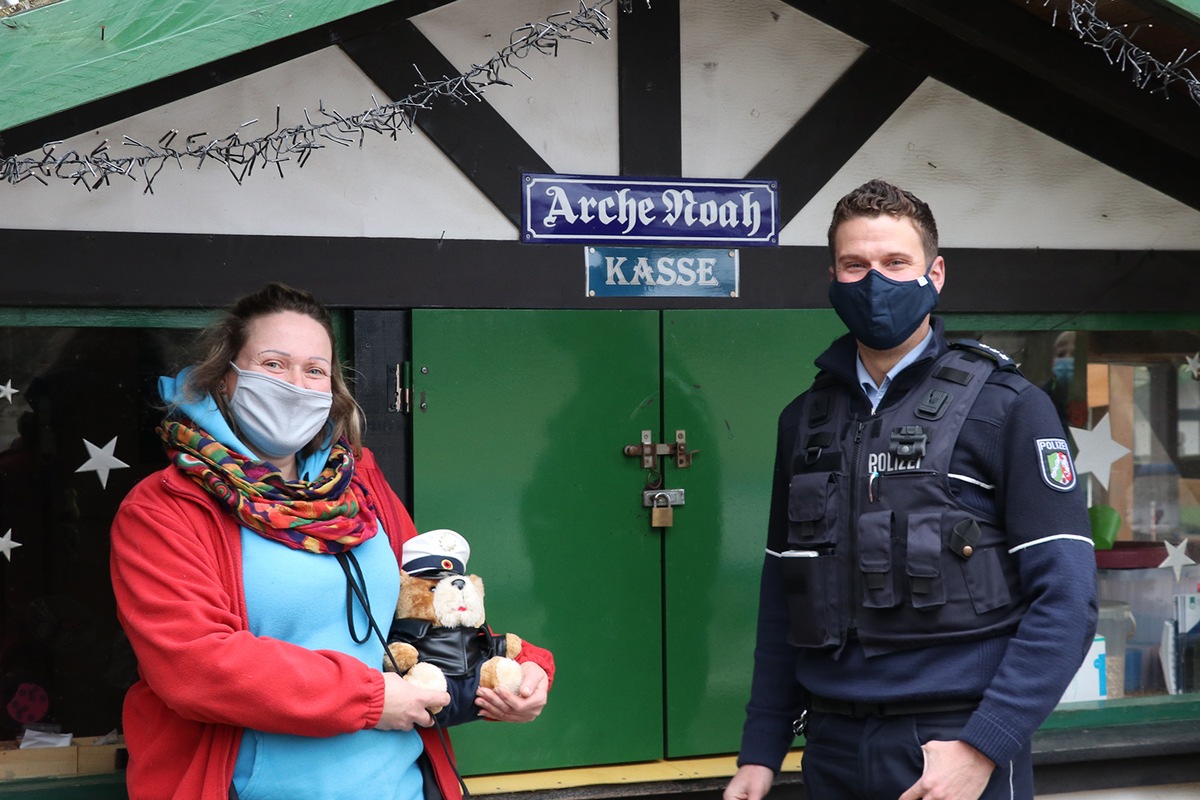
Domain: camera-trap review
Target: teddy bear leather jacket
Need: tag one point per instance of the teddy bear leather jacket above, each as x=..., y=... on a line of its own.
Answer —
x=176, y=572
x=457, y=652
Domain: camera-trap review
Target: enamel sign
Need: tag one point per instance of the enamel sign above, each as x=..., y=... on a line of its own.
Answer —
x=661, y=272
x=583, y=209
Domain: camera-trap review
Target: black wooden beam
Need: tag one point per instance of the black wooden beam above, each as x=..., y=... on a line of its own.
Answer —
x=835, y=128
x=1137, y=134
x=650, y=103
x=381, y=345
x=1060, y=59
x=473, y=135
x=109, y=269
x=1171, y=15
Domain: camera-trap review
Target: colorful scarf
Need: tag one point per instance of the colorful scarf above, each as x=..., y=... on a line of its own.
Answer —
x=329, y=514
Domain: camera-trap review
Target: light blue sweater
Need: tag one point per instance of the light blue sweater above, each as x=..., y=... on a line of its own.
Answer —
x=300, y=597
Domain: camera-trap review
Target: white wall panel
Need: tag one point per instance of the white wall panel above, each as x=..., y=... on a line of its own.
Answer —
x=568, y=111
x=995, y=182
x=750, y=70
x=402, y=188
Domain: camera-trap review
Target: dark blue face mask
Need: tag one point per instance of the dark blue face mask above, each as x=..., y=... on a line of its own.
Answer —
x=881, y=312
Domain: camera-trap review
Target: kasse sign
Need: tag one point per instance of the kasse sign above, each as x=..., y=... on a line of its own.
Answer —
x=584, y=209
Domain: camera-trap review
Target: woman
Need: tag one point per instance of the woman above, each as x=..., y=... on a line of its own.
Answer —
x=243, y=572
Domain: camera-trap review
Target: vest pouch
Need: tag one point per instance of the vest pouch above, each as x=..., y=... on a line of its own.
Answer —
x=811, y=574
x=985, y=581
x=812, y=510
x=813, y=592
x=875, y=559
x=925, y=584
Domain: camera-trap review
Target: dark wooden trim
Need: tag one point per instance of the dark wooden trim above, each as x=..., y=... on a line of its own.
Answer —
x=1040, y=76
x=650, y=101
x=1171, y=15
x=473, y=135
x=382, y=340
x=110, y=269
x=1116, y=756
x=1058, y=58
x=107, y=110
x=835, y=128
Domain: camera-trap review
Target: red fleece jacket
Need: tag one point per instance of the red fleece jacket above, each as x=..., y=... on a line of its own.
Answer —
x=177, y=575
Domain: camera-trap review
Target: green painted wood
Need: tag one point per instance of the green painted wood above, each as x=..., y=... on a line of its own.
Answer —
x=519, y=448
x=1126, y=711
x=105, y=318
x=1190, y=7
x=110, y=786
x=726, y=376
x=54, y=58
x=1074, y=322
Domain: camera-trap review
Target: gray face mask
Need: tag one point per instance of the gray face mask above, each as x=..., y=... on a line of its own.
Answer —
x=275, y=417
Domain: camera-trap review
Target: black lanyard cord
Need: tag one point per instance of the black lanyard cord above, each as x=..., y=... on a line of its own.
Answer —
x=353, y=590
x=358, y=589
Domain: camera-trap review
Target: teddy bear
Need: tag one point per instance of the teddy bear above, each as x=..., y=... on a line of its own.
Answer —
x=438, y=634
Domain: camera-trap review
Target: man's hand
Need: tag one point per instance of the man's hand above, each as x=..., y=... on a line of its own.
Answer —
x=750, y=782
x=953, y=771
x=525, y=705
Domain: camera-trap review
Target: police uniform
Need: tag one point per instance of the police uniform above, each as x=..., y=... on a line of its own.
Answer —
x=928, y=574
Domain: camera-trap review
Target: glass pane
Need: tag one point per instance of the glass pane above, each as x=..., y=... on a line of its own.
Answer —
x=1130, y=401
x=1189, y=413
x=77, y=431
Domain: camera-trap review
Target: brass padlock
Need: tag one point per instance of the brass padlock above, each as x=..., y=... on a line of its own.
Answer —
x=662, y=516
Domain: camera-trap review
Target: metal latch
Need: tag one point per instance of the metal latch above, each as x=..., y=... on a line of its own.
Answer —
x=649, y=451
x=652, y=497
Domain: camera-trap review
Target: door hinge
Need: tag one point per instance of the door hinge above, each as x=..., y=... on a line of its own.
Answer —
x=401, y=388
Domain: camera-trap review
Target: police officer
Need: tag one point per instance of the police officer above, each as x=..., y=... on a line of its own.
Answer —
x=928, y=589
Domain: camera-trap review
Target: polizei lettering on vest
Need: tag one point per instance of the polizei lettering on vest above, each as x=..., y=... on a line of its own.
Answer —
x=666, y=271
x=886, y=462
x=682, y=205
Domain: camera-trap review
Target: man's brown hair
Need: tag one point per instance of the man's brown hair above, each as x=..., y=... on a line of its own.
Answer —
x=877, y=197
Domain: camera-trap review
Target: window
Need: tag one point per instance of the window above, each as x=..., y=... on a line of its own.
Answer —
x=77, y=430
x=1130, y=402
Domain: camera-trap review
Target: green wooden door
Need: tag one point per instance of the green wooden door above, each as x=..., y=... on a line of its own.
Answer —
x=518, y=447
x=520, y=424
x=726, y=377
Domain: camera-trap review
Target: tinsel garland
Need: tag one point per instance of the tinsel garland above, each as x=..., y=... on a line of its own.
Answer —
x=298, y=142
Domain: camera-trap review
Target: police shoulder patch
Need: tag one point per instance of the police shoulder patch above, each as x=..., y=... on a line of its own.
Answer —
x=1054, y=458
x=1001, y=359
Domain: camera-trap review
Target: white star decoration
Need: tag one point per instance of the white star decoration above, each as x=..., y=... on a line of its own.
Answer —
x=1177, y=558
x=7, y=544
x=7, y=391
x=1194, y=366
x=1097, y=450
x=101, y=460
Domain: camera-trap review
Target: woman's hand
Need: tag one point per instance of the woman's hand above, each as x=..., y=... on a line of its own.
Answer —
x=406, y=705
x=525, y=705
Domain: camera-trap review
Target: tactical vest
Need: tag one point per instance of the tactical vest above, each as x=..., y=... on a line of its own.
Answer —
x=879, y=548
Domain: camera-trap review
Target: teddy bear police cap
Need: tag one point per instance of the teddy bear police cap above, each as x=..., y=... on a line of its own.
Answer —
x=438, y=552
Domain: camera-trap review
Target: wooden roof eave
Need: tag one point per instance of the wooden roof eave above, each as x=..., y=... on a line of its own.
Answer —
x=73, y=52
